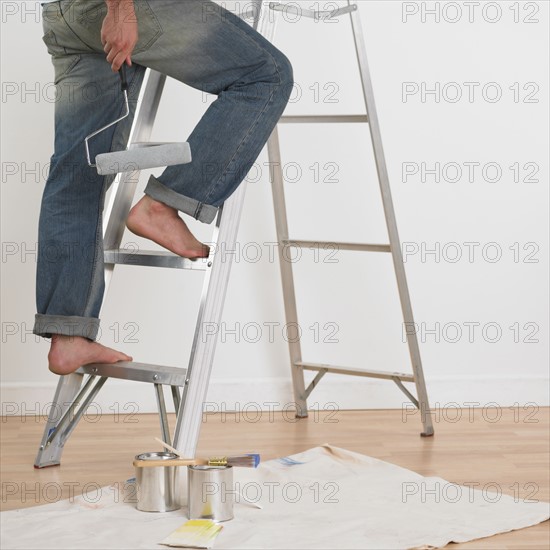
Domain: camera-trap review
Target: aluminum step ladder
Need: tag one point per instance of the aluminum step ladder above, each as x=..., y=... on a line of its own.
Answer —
x=189, y=385
x=298, y=365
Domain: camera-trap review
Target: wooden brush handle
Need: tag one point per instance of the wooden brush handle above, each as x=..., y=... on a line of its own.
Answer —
x=171, y=462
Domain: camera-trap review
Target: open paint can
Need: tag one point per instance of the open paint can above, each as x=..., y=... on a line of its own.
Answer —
x=156, y=487
x=211, y=494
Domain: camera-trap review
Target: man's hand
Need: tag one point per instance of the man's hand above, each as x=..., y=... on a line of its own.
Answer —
x=119, y=33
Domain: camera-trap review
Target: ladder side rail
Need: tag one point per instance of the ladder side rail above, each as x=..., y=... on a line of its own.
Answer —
x=163, y=417
x=50, y=450
x=216, y=279
x=68, y=387
x=391, y=223
x=287, y=275
x=268, y=28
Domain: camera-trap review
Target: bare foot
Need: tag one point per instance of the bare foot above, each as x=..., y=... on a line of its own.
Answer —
x=161, y=223
x=68, y=353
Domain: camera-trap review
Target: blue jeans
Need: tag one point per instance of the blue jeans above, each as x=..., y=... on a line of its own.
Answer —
x=194, y=41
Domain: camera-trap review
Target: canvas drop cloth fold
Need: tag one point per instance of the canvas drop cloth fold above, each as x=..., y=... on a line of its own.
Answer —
x=323, y=498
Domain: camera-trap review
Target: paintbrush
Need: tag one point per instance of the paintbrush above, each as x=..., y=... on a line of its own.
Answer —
x=242, y=461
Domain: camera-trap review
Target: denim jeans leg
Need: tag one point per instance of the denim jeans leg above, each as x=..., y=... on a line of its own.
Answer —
x=195, y=41
x=203, y=45
x=213, y=50
x=70, y=276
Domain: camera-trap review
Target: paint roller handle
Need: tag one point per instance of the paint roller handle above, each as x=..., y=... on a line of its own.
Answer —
x=123, y=80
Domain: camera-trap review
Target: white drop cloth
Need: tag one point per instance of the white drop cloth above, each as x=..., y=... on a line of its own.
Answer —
x=323, y=498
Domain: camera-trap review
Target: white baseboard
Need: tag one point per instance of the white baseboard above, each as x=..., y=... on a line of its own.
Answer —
x=333, y=392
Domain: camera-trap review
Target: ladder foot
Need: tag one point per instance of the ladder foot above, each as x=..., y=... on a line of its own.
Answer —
x=427, y=434
x=39, y=467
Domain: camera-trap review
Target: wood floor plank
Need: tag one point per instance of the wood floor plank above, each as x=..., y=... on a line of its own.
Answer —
x=511, y=453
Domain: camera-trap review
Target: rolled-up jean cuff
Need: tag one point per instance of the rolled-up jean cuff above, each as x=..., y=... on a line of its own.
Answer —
x=68, y=325
x=200, y=211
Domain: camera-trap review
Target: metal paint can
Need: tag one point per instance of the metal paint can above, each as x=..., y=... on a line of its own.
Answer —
x=156, y=487
x=211, y=494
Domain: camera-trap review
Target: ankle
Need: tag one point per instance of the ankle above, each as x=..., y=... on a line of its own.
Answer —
x=59, y=339
x=155, y=207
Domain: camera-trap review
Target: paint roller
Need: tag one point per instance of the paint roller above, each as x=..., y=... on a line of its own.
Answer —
x=140, y=156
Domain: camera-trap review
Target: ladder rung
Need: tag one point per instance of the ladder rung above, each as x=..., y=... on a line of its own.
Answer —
x=339, y=245
x=153, y=258
x=356, y=372
x=317, y=119
x=140, y=372
x=313, y=14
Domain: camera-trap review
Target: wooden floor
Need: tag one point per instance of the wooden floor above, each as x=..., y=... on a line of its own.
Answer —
x=512, y=452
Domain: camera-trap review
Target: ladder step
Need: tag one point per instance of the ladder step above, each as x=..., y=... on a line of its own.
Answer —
x=356, y=372
x=154, y=258
x=140, y=372
x=339, y=245
x=323, y=119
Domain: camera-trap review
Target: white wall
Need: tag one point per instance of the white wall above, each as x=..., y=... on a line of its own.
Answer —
x=357, y=292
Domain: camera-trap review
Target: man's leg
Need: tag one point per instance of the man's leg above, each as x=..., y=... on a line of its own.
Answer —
x=70, y=277
x=194, y=41
x=205, y=46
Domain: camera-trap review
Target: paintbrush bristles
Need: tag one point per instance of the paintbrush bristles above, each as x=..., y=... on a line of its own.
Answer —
x=244, y=461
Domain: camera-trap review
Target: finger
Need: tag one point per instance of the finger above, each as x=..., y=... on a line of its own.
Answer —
x=107, y=47
x=111, y=55
x=114, y=53
x=129, y=61
x=111, y=58
x=118, y=61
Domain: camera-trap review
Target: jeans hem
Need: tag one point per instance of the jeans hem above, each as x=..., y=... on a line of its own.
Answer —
x=202, y=212
x=67, y=325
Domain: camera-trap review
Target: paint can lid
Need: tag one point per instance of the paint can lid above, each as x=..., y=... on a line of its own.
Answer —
x=156, y=456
